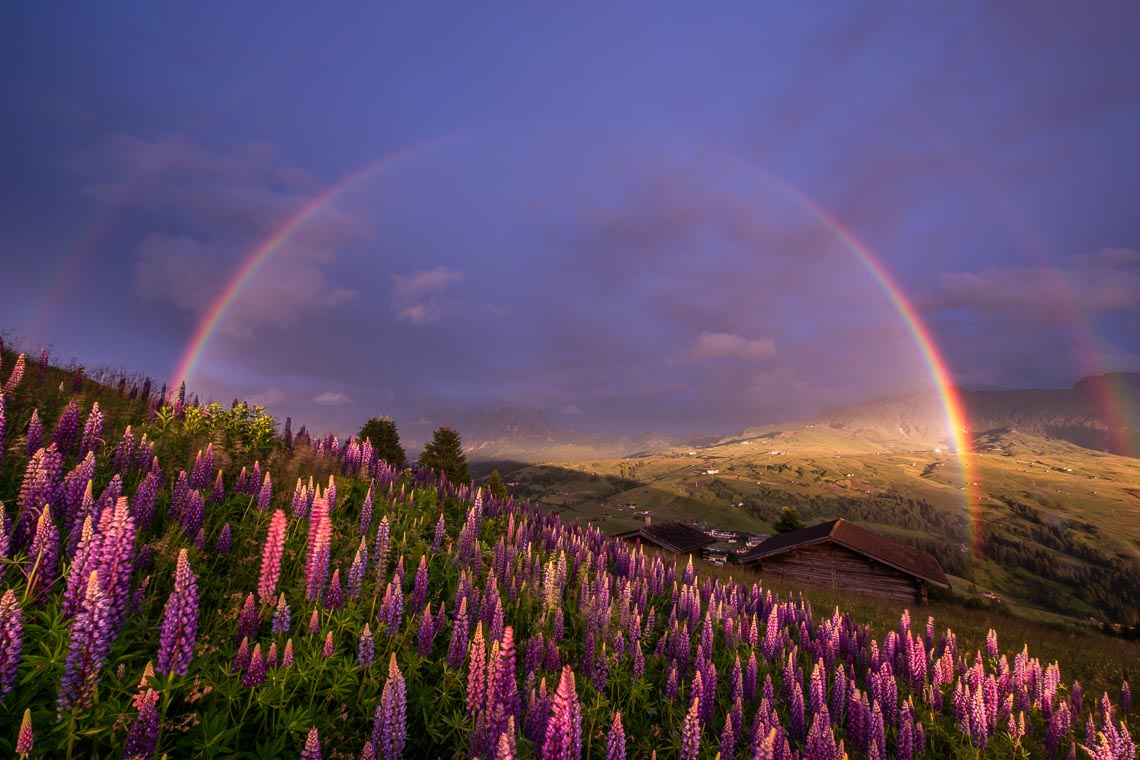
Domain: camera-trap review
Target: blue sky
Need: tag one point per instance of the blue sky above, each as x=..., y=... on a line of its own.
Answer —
x=590, y=231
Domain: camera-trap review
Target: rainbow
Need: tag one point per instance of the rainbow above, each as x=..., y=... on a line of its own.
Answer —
x=940, y=373
x=221, y=304
x=943, y=380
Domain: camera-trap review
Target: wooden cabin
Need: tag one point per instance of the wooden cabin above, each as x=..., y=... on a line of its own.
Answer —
x=843, y=556
x=676, y=537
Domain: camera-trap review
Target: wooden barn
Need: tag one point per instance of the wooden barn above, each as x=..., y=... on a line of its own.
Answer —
x=676, y=537
x=843, y=556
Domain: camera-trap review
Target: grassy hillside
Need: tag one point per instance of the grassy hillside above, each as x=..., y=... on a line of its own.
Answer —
x=1050, y=518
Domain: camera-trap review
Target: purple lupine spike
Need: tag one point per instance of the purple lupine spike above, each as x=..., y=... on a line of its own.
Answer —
x=199, y=475
x=366, y=510
x=193, y=514
x=1125, y=698
x=5, y=543
x=419, y=595
x=71, y=497
x=43, y=554
x=691, y=730
x=143, y=735
x=265, y=495
x=114, y=558
x=222, y=545
x=248, y=619
x=505, y=748
x=563, y=737
x=81, y=566
x=287, y=655
x=179, y=622
x=615, y=740
x=241, y=658
x=26, y=739
x=357, y=570
x=312, y=748
x=218, y=493
x=334, y=600
x=35, y=431
x=315, y=622
x=146, y=495
x=271, y=558
x=366, y=651
x=87, y=650
x=92, y=431
x=330, y=494
x=255, y=673
x=389, y=731
x=282, y=617
x=179, y=496
x=727, y=744
x=440, y=532
x=459, y=632
x=502, y=696
x=328, y=649
x=40, y=486
x=124, y=459
x=16, y=376
x=4, y=427
x=271, y=655
x=425, y=635
x=11, y=640
x=67, y=429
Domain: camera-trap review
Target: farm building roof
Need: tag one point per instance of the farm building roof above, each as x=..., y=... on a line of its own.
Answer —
x=866, y=542
x=675, y=536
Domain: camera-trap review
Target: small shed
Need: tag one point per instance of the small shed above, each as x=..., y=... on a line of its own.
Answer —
x=842, y=555
x=676, y=537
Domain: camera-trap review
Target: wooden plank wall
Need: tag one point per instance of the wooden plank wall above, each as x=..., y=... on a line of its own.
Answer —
x=836, y=567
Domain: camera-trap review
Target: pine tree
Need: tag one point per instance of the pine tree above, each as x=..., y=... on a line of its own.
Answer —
x=788, y=520
x=445, y=454
x=496, y=486
x=386, y=440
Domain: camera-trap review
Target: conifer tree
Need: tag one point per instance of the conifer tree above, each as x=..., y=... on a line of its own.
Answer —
x=386, y=440
x=496, y=486
x=788, y=520
x=445, y=454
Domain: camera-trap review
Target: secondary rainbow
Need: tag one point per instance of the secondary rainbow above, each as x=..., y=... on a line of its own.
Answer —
x=224, y=300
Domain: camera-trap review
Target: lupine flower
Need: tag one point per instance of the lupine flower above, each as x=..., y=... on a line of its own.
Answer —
x=312, y=750
x=4, y=427
x=179, y=622
x=419, y=595
x=615, y=740
x=287, y=655
x=16, y=376
x=218, y=494
x=265, y=496
x=476, y=671
x=40, y=486
x=67, y=429
x=389, y=730
x=222, y=545
x=317, y=562
x=92, y=431
x=357, y=570
x=11, y=638
x=26, y=739
x=440, y=532
x=367, y=649
x=5, y=543
x=194, y=513
x=143, y=734
x=366, y=511
x=691, y=731
x=334, y=600
x=327, y=650
x=282, y=617
x=241, y=659
x=248, y=619
x=43, y=554
x=35, y=431
x=563, y=740
x=255, y=673
x=314, y=622
x=271, y=558
x=505, y=748
x=1125, y=698
x=87, y=649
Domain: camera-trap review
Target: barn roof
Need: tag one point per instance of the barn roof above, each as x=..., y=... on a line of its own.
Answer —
x=675, y=536
x=866, y=542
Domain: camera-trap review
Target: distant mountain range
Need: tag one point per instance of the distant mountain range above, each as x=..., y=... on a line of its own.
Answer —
x=1088, y=415
x=1092, y=414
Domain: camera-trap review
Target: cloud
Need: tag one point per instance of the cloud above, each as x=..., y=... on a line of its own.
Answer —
x=720, y=345
x=1092, y=284
x=332, y=398
x=208, y=210
x=418, y=297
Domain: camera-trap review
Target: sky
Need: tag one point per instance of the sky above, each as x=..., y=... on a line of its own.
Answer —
x=603, y=212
